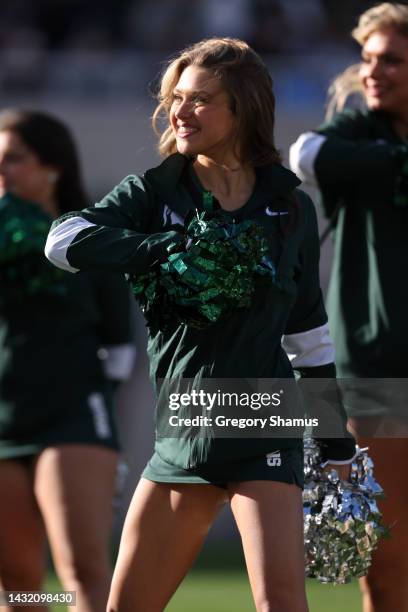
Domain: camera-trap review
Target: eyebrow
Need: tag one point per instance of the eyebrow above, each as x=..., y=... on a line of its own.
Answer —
x=384, y=54
x=194, y=92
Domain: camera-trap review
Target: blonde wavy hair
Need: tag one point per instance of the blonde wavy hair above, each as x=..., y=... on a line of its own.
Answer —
x=245, y=78
x=385, y=16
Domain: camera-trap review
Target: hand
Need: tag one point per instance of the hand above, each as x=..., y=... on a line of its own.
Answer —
x=344, y=471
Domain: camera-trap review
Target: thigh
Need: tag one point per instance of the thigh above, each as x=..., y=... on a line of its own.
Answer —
x=386, y=581
x=22, y=537
x=74, y=486
x=269, y=517
x=390, y=457
x=163, y=532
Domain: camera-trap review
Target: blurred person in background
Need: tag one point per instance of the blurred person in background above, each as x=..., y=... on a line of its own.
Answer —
x=359, y=161
x=217, y=104
x=65, y=343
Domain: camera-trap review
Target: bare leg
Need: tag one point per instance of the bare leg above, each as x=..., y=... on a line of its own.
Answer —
x=385, y=588
x=164, y=530
x=270, y=520
x=74, y=486
x=22, y=535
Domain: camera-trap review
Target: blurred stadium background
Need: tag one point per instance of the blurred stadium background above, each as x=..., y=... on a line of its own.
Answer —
x=95, y=65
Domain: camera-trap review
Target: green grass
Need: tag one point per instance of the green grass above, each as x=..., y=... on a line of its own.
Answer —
x=229, y=592
x=218, y=583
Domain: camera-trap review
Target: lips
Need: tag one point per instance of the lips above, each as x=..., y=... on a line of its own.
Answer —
x=186, y=131
x=376, y=90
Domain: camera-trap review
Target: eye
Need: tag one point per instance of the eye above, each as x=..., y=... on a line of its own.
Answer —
x=14, y=157
x=392, y=60
x=198, y=100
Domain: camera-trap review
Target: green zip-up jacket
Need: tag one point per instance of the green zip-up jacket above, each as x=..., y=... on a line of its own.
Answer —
x=129, y=231
x=353, y=161
x=52, y=327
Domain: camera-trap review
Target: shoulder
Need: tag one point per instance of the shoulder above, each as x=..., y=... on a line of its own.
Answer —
x=306, y=210
x=303, y=200
x=131, y=186
x=132, y=197
x=349, y=122
x=164, y=178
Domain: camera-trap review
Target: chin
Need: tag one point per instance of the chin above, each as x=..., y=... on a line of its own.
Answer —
x=186, y=150
x=376, y=104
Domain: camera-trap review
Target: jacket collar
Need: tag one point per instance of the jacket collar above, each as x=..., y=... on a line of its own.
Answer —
x=275, y=181
x=165, y=178
x=383, y=121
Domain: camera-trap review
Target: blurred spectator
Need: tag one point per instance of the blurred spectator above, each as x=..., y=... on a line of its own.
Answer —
x=226, y=18
x=271, y=27
x=163, y=25
x=68, y=46
x=23, y=59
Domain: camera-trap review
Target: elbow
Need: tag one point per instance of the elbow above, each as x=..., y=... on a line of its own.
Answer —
x=62, y=235
x=302, y=156
x=56, y=248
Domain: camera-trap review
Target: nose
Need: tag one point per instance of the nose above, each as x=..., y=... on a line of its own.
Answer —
x=184, y=109
x=373, y=68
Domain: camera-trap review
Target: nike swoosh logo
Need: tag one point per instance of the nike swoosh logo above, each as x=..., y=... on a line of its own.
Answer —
x=275, y=213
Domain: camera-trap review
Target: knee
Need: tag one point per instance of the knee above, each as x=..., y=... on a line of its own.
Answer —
x=87, y=572
x=385, y=591
x=281, y=599
x=22, y=575
x=124, y=604
x=380, y=587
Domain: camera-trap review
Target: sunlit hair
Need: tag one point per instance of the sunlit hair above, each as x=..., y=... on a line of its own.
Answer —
x=379, y=18
x=245, y=79
x=52, y=143
x=382, y=17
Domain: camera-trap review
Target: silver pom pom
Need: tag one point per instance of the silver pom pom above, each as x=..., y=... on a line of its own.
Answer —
x=342, y=523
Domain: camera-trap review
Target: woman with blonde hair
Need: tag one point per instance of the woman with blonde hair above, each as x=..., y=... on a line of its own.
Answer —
x=221, y=169
x=359, y=161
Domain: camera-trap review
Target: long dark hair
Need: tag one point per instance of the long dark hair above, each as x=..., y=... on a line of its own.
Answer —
x=52, y=142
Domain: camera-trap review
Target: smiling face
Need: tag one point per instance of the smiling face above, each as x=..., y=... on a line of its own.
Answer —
x=21, y=171
x=201, y=117
x=384, y=72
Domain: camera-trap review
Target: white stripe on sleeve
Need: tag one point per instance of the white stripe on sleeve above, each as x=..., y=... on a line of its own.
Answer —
x=118, y=360
x=59, y=239
x=302, y=156
x=309, y=349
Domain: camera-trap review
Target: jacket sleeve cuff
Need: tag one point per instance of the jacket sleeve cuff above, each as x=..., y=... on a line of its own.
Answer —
x=339, y=451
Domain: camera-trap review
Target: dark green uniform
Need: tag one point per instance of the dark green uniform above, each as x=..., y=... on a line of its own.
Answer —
x=129, y=231
x=53, y=388
x=353, y=160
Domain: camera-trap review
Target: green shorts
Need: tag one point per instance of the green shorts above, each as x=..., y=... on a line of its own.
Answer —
x=281, y=466
x=91, y=421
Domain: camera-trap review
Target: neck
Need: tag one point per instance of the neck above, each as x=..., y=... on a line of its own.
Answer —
x=50, y=206
x=400, y=125
x=227, y=181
